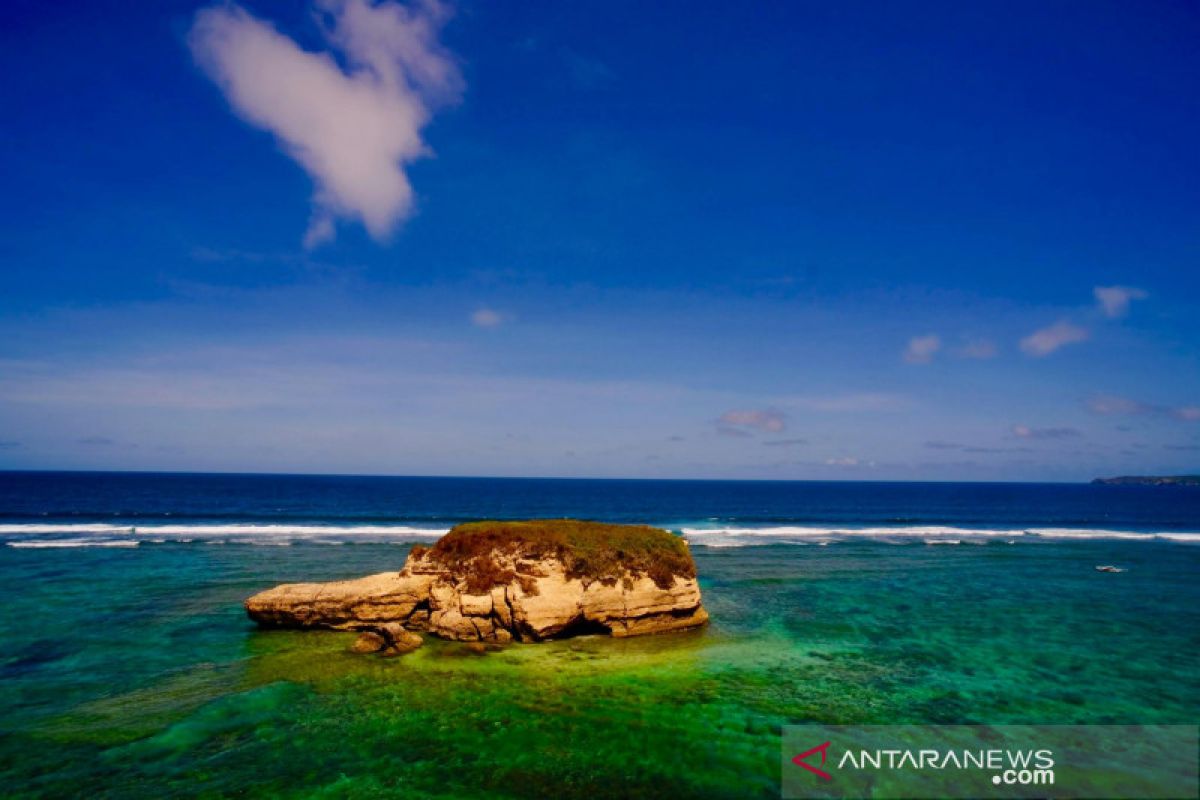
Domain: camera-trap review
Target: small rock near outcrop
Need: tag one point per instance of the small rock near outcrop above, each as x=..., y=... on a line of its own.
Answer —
x=368, y=642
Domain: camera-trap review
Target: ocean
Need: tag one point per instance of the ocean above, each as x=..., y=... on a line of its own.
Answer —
x=130, y=670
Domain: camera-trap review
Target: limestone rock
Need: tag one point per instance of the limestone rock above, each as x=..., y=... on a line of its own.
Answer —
x=495, y=582
x=347, y=605
x=368, y=642
x=389, y=639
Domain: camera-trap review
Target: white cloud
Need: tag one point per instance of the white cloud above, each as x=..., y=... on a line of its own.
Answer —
x=848, y=461
x=487, y=318
x=353, y=128
x=1025, y=432
x=1045, y=341
x=921, y=349
x=866, y=401
x=768, y=420
x=320, y=231
x=1114, y=300
x=1109, y=404
x=978, y=349
x=1112, y=404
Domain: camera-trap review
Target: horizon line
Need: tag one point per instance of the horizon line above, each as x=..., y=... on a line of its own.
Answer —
x=235, y=473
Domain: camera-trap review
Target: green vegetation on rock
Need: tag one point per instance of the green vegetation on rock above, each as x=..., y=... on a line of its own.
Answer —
x=588, y=550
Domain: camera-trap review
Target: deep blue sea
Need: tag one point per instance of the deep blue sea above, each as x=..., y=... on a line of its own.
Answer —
x=129, y=668
x=126, y=509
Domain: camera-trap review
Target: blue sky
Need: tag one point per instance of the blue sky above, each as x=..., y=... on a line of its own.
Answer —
x=936, y=241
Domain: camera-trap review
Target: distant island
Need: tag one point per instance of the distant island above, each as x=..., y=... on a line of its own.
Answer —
x=1150, y=480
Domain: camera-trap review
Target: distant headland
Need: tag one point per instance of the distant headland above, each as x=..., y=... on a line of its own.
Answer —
x=1150, y=480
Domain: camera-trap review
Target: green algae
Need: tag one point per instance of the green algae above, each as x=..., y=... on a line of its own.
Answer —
x=846, y=634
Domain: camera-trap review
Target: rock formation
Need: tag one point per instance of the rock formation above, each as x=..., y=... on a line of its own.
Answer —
x=498, y=581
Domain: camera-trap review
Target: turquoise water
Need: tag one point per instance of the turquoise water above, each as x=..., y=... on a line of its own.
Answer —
x=132, y=672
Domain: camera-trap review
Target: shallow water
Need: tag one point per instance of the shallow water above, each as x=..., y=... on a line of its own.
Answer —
x=133, y=672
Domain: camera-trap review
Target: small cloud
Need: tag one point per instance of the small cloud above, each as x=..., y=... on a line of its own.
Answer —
x=96, y=441
x=921, y=349
x=487, y=318
x=768, y=420
x=736, y=433
x=970, y=448
x=320, y=231
x=587, y=73
x=1114, y=300
x=785, y=442
x=1025, y=432
x=1045, y=341
x=866, y=401
x=675, y=439
x=1108, y=404
x=979, y=349
x=350, y=115
x=847, y=461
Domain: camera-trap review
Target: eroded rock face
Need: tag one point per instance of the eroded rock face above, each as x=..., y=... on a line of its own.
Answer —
x=531, y=600
x=343, y=605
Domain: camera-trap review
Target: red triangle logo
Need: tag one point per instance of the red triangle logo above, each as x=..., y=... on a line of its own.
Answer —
x=800, y=762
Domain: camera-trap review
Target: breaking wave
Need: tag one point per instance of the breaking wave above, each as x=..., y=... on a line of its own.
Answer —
x=812, y=534
x=45, y=535
x=79, y=534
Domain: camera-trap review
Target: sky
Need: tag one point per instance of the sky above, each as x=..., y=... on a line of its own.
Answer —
x=779, y=240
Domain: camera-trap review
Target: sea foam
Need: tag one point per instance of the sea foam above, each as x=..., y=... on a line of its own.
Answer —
x=714, y=536
x=84, y=534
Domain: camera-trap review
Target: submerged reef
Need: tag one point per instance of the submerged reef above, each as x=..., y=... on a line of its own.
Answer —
x=500, y=581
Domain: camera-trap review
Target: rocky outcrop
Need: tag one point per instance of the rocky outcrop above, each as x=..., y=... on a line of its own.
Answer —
x=505, y=588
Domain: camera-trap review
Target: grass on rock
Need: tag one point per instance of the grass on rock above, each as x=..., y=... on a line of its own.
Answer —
x=492, y=553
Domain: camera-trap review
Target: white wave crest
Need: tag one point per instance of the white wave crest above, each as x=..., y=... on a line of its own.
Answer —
x=281, y=534
x=53, y=543
x=927, y=534
x=84, y=534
